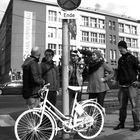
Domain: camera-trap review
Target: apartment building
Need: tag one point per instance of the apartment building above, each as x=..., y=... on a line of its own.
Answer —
x=29, y=23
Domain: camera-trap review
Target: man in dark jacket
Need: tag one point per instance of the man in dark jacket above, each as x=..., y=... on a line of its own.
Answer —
x=32, y=80
x=127, y=79
x=50, y=74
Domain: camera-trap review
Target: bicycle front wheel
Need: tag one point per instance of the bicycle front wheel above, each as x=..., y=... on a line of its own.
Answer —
x=94, y=128
x=25, y=126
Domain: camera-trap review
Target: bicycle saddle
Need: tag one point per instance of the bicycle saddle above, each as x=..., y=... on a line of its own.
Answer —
x=78, y=88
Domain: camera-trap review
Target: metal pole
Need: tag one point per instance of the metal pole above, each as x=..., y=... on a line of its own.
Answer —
x=65, y=69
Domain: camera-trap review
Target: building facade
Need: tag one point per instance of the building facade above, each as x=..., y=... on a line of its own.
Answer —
x=29, y=23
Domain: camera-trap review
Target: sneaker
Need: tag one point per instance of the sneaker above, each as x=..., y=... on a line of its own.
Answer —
x=135, y=128
x=119, y=126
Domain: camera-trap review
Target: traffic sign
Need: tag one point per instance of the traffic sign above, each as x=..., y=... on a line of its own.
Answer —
x=68, y=15
x=69, y=4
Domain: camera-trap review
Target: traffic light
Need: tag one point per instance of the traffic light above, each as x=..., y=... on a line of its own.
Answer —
x=69, y=4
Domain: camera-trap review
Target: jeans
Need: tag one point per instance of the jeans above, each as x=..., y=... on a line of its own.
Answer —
x=52, y=95
x=131, y=94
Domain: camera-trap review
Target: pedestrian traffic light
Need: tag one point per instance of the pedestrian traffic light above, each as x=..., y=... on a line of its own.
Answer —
x=69, y=4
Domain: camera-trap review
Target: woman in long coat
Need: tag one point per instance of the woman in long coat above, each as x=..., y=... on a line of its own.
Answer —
x=98, y=75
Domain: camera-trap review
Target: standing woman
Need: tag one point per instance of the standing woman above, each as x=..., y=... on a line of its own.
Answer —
x=97, y=77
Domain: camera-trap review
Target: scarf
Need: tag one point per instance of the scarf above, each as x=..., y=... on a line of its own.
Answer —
x=95, y=64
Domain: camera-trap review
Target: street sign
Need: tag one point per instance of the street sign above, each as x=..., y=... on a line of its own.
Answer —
x=69, y=4
x=68, y=15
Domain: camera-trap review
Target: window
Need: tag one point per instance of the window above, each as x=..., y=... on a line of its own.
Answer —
x=92, y=49
x=52, y=15
x=114, y=55
x=85, y=21
x=113, y=25
x=60, y=49
x=53, y=47
x=134, y=30
x=121, y=27
x=72, y=47
x=110, y=39
x=101, y=24
x=121, y=38
x=52, y=32
x=59, y=17
x=128, y=40
x=85, y=36
x=103, y=52
x=85, y=48
x=127, y=29
x=102, y=38
x=114, y=39
x=93, y=22
x=110, y=25
x=93, y=37
x=134, y=43
x=135, y=54
x=111, y=54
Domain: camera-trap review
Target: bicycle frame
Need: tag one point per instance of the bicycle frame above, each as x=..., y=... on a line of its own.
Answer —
x=86, y=119
x=60, y=116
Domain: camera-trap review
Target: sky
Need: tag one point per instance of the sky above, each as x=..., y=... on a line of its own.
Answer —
x=130, y=8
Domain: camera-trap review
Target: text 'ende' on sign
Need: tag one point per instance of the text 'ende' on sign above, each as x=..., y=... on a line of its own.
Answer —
x=68, y=15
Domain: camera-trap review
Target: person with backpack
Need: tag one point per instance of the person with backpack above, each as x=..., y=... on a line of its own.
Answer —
x=76, y=67
x=127, y=79
x=50, y=73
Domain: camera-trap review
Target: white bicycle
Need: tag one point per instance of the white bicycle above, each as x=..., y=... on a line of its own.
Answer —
x=86, y=118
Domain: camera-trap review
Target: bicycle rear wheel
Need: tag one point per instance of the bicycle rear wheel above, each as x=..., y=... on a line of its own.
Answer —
x=93, y=129
x=25, y=126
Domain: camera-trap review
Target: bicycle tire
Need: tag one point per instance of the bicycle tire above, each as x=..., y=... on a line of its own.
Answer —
x=28, y=120
x=93, y=130
x=96, y=103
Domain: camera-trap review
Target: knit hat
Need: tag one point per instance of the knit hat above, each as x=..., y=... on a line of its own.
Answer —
x=122, y=44
x=98, y=53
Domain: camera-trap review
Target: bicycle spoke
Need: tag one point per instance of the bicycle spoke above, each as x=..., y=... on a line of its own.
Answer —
x=26, y=126
x=94, y=125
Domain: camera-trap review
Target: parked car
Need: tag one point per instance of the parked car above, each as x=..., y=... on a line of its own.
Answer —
x=11, y=88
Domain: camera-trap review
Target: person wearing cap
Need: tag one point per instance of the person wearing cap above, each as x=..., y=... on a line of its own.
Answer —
x=32, y=81
x=127, y=79
x=97, y=77
x=76, y=67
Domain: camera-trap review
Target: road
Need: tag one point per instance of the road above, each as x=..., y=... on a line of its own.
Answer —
x=12, y=106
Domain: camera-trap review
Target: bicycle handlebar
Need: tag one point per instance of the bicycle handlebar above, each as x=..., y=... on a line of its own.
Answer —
x=46, y=85
x=43, y=89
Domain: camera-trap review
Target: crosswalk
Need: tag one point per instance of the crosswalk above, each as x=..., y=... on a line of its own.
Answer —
x=6, y=121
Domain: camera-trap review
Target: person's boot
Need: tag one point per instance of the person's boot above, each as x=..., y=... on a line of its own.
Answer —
x=135, y=128
x=119, y=126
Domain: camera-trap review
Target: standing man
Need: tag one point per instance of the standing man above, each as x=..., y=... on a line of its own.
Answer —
x=32, y=80
x=76, y=68
x=127, y=79
x=50, y=74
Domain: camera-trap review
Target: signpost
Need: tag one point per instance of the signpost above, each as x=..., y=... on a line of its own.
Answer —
x=66, y=5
